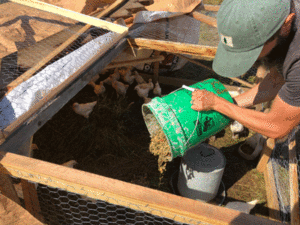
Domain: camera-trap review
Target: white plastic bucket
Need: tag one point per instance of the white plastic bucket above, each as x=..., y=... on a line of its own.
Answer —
x=201, y=172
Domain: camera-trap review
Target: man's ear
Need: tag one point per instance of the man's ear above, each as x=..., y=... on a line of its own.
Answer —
x=287, y=26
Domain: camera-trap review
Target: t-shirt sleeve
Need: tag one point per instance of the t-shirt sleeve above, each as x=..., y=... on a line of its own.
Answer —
x=290, y=91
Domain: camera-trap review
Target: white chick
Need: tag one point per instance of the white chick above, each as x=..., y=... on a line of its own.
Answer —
x=236, y=128
x=157, y=90
x=84, y=109
x=142, y=91
x=127, y=77
x=148, y=85
x=138, y=78
x=120, y=88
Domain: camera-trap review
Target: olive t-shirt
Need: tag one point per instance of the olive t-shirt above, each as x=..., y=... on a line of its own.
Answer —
x=290, y=91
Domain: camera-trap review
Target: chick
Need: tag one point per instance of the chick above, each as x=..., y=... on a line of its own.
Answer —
x=108, y=80
x=115, y=75
x=138, y=78
x=84, y=109
x=157, y=89
x=98, y=89
x=120, y=88
x=142, y=91
x=127, y=76
x=148, y=85
x=236, y=129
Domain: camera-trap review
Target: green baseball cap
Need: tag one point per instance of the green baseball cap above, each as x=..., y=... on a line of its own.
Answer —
x=244, y=26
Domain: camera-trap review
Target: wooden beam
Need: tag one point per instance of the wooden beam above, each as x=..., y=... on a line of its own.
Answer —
x=117, y=192
x=25, y=76
x=294, y=184
x=205, y=19
x=210, y=69
x=272, y=198
x=266, y=154
x=214, y=8
x=135, y=62
x=34, y=109
x=73, y=15
x=174, y=47
x=178, y=82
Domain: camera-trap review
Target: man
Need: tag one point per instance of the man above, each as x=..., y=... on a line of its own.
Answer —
x=250, y=31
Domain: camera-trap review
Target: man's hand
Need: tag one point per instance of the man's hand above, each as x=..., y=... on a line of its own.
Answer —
x=203, y=100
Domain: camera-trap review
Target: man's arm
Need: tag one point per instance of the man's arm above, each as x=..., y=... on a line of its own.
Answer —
x=276, y=124
x=265, y=91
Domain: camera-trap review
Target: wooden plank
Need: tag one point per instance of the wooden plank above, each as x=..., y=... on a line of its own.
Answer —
x=7, y=187
x=53, y=54
x=20, y=120
x=208, y=68
x=178, y=82
x=120, y=13
x=73, y=15
x=205, y=19
x=266, y=154
x=31, y=200
x=214, y=8
x=175, y=47
x=34, y=123
x=294, y=185
x=272, y=198
x=135, y=62
x=125, y=194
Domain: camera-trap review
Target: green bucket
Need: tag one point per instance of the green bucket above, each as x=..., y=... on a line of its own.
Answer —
x=183, y=126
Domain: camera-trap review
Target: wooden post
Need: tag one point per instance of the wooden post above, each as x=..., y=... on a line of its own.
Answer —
x=266, y=154
x=7, y=187
x=31, y=200
x=294, y=185
x=156, y=68
x=272, y=198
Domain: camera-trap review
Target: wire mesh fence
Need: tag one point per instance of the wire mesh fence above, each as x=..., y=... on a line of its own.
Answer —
x=62, y=207
x=39, y=51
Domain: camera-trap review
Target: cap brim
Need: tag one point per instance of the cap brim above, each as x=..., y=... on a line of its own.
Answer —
x=234, y=64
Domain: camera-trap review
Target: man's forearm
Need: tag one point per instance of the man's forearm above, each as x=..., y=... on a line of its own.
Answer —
x=254, y=120
x=265, y=91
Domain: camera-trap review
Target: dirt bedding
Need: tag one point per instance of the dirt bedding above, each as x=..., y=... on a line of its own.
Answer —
x=159, y=146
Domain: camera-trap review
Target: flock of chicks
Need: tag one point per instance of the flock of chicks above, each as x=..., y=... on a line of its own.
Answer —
x=142, y=88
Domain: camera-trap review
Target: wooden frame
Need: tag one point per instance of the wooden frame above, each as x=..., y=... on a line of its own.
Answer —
x=73, y=15
x=125, y=194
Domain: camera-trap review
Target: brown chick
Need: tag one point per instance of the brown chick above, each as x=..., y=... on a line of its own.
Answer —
x=120, y=88
x=84, y=109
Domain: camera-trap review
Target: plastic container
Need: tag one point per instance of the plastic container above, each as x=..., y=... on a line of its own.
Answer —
x=183, y=126
x=201, y=172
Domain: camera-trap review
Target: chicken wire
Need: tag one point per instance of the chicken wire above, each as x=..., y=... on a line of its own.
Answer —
x=280, y=164
x=29, y=35
x=59, y=207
